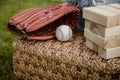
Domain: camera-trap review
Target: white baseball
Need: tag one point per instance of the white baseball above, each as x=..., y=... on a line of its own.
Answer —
x=63, y=33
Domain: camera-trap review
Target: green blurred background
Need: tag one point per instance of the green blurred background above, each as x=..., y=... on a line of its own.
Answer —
x=8, y=8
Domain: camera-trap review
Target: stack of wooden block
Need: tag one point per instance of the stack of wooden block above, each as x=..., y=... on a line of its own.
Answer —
x=102, y=29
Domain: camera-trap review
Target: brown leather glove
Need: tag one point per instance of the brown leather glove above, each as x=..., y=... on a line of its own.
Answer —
x=41, y=23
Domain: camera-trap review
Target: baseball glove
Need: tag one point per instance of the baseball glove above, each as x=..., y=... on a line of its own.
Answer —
x=41, y=23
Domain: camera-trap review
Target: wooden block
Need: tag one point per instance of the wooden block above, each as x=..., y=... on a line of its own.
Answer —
x=95, y=28
x=101, y=30
x=94, y=38
x=91, y=45
x=100, y=16
x=110, y=9
x=113, y=31
x=115, y=5
x=109, y=53
x=87, y=24
x=104, y=53
x=110, y=42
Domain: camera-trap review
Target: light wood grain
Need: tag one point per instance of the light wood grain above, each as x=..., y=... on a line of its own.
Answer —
x=91, y=45
x=110, y=9
x=109, y=53
x=95, y=28
x=104, y=53
x=115, y=5
x=94, y=38
x=101, y=30
x=100, y=16
x=113, y=31
x=110, y=42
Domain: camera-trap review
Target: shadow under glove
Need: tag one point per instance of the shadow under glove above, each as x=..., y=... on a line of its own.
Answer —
x=81, y=4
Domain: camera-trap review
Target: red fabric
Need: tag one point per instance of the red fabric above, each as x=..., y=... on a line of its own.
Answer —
x=41, y=23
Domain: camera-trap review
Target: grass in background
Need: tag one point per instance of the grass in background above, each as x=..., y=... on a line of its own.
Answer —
x=8, y=8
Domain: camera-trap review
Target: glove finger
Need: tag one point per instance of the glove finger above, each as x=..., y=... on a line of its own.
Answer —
x=33, y=16
x=20, y=16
